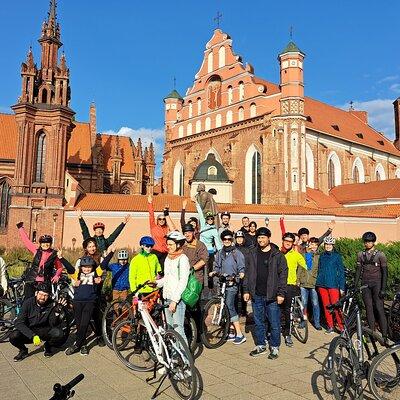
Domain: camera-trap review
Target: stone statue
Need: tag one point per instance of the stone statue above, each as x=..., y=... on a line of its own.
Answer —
x=207, y=202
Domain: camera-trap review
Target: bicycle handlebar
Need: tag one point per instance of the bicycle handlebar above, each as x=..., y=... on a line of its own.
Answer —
x=339, y=304
x=64, y=392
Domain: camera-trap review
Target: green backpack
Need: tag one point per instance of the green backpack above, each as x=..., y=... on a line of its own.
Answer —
x=191, y=294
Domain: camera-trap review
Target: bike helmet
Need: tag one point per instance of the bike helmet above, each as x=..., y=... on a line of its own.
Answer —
x=263, y=231
x=239, y=234
x=46, y=239
x=369, y=237
x=176, y=236
x=187, y=228
x=43, y=287
x=226, y=234
x=99, y=225
x=329, y=240
x=123, y=255
x=147, y=241
x=289, y=235
x=87, y=261
x=225, y=214
x=303, y=231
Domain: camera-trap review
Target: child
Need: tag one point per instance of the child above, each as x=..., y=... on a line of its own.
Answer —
x=120, y=279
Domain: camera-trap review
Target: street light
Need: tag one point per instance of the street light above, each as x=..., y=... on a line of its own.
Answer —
x=55, y=215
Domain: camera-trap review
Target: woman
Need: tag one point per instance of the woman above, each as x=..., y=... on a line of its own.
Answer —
x=174, y=282
x=250, y=236
x=330, y=281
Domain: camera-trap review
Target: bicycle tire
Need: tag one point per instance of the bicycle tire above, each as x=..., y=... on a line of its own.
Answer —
x=220, y=330
x=191, y=333
x=182, y=372
x=299, y=324
x=111, y=318
x=369, y=342
x=8, y=313
x=132, y=347
x=382, y=385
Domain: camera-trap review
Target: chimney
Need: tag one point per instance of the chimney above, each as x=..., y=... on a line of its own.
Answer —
x=92, y=124
x=396, y=105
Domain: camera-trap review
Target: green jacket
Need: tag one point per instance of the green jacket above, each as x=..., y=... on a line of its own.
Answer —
x=143, y=267
x=102, y=242
x=306, y=278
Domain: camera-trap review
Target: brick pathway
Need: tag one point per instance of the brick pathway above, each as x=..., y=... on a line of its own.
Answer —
x=228, y=372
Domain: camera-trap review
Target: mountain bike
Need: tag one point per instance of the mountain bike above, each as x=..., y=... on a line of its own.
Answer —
x=157, y=347
x=298, y=321
x=65, y=392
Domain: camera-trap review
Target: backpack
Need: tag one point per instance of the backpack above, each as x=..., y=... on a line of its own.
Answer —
x=191, y=294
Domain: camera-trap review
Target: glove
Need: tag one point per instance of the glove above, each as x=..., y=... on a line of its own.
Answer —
x=20, y=225
x=55, y=279
x=36, y=340
x=382, y=294
x=166, y=212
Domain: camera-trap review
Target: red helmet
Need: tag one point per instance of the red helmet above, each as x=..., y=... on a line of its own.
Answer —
x=99, y=225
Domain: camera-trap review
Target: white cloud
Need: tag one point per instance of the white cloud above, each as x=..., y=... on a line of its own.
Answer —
x=389, y=78
x=147, y=135
x=395, y=87
x=380, y=114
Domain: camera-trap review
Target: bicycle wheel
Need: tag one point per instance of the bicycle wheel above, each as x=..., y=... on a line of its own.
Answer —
x=344, y=361
x=384, y=374
x=371, y=345
x=115, y=312
x=190, y=331
x=131, y=345
x=299, y=323
x=7, y=317
x=215, y=322
x=181, y=371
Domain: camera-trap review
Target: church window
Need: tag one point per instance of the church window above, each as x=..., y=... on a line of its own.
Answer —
x=331, y=174
x=230, y=95
x=198, y=126
x=334, y=171
x=199, y=106
x=256, y=178
x=5, y=200
x=309, y=167
x=221, y=57
x=218, y=121
x=190, y=109
x=397, y=173
x=180, y=131
x=358, y=173
x=210, y=60
x=214, y=92
x=208, y=124
x=241, y=113
x=178, y=179
x=40, y=157
x=189, y=129
x=380, y=173
x=253, y=110
x=241, y=91
x=212, y=171
x=229, y=117
x=44, y=96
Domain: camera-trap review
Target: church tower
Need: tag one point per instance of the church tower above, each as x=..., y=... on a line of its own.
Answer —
x=44, y=121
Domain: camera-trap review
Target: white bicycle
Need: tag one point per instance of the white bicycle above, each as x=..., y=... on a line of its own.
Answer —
x=143, y=343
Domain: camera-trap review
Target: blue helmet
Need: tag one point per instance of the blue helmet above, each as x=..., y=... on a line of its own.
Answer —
x=147, y=241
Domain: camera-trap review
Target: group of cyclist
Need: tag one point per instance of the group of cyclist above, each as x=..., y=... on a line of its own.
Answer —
x=265, y=274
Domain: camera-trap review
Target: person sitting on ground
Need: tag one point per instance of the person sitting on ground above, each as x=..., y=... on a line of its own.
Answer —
x=330, y=281
x=3, y=274
x=229, y=261
x=192, y=220
x=144, y=266
x=250, y=236
x=304, y=235
x=306, y=280
x=46, y=267
x=37, y=323
x=225, y=219
x=102, y=242
x=245, y=225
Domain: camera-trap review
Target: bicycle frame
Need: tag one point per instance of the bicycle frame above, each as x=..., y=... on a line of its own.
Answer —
x=300, y=302
x=221, y=296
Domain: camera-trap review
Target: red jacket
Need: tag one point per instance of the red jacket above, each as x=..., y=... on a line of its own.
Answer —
x=157, y=232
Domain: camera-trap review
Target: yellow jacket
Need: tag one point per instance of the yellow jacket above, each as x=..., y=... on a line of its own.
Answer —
x=294, y=260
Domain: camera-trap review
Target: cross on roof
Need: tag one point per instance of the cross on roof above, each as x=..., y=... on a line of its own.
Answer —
x=291, y=32
x=218, y=18
x=174, y=83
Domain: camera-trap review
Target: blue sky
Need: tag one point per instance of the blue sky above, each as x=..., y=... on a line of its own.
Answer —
x=124, y=54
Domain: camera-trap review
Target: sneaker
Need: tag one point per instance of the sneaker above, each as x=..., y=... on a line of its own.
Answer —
x=100, y=341
x=239, y=339
x=274, y=354
x=231, y=337
x=329, y=331
x=258, y=350
x=48, y=351
x=71, y=350
x=318, y=328
x=21, y=355
x=288, y=341
x=84, y=351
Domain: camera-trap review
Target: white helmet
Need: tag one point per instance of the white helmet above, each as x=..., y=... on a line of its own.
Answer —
x=329, y=240
x=176, y=236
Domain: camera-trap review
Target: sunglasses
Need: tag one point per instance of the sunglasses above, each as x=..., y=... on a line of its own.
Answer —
x=161, y=219
x=227, y=239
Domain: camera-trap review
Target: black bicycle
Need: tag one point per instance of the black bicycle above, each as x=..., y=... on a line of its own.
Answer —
x=65, y=392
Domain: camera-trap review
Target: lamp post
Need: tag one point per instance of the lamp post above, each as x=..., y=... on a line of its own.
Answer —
x=55, y=215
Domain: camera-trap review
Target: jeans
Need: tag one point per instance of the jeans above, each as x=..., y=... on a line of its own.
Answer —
x=176, y=320
x=262, y=310
x=231, y=294
x=305, y=294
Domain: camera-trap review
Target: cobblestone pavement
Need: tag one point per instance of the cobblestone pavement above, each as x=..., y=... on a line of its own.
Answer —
x=226, y=373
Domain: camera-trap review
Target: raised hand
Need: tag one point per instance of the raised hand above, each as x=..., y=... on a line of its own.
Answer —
x=127, y=218
x=184, y=204
x=79, y=212
x=150, y=199
x=331, y=225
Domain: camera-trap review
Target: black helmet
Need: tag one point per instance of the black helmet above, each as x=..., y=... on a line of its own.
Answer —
x=263, y=231
x=226, y=213
x=43, y=287
x=87, y=261
x=226, y=234
x=46, y=239
x=303, y=231
x=289, y=235
x=369, y=237
x=187, y=228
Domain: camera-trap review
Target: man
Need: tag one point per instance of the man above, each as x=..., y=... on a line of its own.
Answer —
x=225, y=219
x=102, y=242
x=265, y=284
x=240, y=243
x=304, y=235
x=294, y=261
x=206, y=201
x=37, y=323
x=245, y=224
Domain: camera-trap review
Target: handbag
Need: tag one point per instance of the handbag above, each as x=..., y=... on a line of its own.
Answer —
x=191, y=294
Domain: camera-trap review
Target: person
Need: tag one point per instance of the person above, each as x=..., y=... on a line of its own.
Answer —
x=119, y=276
x=46, y=267
x=103, y=243
x=192, y=220
x=372, y=270
x=245, y=224
x=265, y=284
x=144, y=266
x=86, y=282
x=230, y=261
x=206, y=202
x=330, y=281
x=37, y=323
x=306, y=280
x=174, y=282
x=251, y=237
x=3, y=274
x=225, y=219
x=295, y=261
x=304, y=235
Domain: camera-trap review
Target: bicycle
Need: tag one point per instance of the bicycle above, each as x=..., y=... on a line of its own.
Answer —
x=161, y=347
x=216, y=319
x=65, y=392
x=298, y=321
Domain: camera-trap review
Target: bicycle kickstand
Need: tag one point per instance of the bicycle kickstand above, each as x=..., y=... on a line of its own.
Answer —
x=161, y=381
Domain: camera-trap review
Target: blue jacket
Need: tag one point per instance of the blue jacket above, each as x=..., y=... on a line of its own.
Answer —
x=331, y=271
x=231, y=263
x=120, y=276
x=208, y=233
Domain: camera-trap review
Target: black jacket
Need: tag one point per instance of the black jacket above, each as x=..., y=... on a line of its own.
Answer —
x=277, y=274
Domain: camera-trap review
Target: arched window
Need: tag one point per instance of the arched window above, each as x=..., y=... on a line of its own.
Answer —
x=199, y=106
x=198, y=126
x=241, y=91
x=241, y=114
x=178, y=179
x=40, y=157
x=208, y=124
x=189, y=129
x=5, y=200
x=253, y=176
x=358, y=173
x=230, y=95
x=253, y=110
x=212, y=171
x=210, y=62
x=180, y=131
x=190, y=109
x=221, y=57
x=229, y=117
x=380, y=173
x=218, y=121
x=334, y=171
x=397, y=173
x=309, y=167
